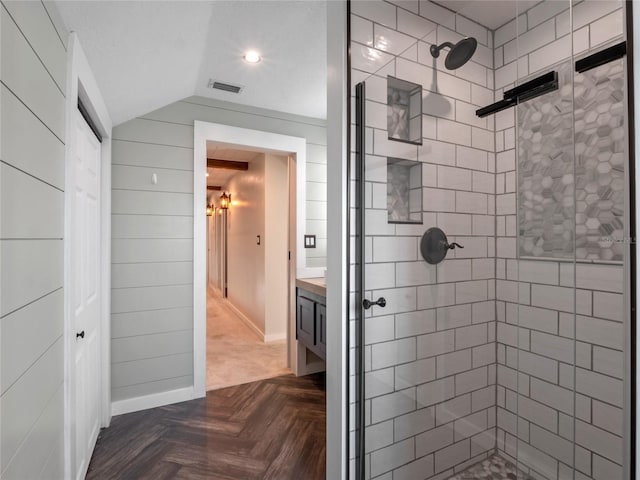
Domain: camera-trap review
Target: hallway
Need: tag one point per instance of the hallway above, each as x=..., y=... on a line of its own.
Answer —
x=272, y=429
x=235, y=353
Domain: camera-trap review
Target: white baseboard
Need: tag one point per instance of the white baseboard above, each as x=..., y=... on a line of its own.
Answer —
x=275, y=337
x=151, y=401
x=246, y=320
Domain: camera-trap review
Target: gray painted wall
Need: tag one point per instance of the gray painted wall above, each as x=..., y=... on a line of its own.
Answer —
x=32, y=155
x=152, y=234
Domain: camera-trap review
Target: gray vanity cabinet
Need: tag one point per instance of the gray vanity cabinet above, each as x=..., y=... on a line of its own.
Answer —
x=311, y=328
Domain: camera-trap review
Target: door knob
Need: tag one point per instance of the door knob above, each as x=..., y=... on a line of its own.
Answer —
x=367, y=304
x=81, y=334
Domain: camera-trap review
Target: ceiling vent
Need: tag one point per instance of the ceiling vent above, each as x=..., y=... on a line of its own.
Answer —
x=224, y=86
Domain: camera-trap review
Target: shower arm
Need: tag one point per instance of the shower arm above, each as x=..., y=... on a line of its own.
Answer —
x=435, y=49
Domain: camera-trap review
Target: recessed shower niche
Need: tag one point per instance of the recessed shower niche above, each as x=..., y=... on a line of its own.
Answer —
x=404, y=191
x=404, y=111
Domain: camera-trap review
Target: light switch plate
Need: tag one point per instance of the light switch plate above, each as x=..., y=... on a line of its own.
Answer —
x=309, y=241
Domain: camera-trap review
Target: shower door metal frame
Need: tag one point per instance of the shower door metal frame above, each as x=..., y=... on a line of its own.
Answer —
x=630, y=273
x=359, y=198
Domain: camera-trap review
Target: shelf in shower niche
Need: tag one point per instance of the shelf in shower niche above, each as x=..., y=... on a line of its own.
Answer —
x=404, y=191
x=404, y=111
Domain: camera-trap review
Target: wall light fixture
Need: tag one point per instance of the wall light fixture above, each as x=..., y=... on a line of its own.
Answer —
x=225, y=200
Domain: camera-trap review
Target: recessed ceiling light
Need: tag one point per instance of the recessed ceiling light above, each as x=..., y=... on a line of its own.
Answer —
x=251, y=56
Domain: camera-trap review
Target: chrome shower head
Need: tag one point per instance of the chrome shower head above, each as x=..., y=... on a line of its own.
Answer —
x=459, y=54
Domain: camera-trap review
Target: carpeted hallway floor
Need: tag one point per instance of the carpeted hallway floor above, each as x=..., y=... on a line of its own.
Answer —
x=235, y=353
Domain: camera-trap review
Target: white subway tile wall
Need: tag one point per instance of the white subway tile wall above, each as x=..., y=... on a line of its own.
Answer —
x=478, y=353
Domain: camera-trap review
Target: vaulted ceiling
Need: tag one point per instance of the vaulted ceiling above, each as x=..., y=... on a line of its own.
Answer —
x=147, y=54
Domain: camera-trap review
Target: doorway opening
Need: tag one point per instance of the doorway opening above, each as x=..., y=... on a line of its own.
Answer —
x=248, y=217
x=284, y=232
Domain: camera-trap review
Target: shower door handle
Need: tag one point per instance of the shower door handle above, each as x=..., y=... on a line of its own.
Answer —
x=367, y=304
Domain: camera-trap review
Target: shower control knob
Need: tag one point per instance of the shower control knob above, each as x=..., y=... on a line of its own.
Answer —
x=367, y=304
x=434, y=245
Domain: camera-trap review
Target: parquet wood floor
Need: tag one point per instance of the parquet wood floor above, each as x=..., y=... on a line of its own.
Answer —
x=271, y=429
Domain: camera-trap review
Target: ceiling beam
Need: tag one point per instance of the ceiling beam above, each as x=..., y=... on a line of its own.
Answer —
x=227, y=164
x=214, y=187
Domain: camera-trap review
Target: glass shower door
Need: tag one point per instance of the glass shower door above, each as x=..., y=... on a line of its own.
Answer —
x=509, y=351
x=537, y=369
x=423, y=334
x=562, y=398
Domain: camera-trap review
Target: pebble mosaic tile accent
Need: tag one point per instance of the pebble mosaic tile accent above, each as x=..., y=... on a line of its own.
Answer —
x=493, y=468
x=554, y=222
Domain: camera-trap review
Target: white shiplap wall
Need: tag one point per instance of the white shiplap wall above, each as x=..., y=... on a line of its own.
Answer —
x=152, y=234
x=32, y=155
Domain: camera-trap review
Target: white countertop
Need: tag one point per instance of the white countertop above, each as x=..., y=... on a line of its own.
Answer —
x=313, y=285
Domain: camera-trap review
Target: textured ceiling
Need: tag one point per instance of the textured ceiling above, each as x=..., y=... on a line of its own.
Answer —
x=147, y=54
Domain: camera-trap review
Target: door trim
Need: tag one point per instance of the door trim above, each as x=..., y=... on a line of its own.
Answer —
x=236, y=136
x=82, y=84
x=338, y=240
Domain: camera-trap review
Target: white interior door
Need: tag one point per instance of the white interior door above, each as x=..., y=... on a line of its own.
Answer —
x=84, y=280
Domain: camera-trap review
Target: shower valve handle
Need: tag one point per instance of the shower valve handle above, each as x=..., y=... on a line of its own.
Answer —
x=453, y=245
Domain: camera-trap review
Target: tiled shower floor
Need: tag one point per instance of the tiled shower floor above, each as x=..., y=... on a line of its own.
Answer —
x=493, y=468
